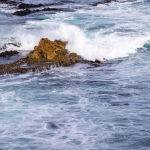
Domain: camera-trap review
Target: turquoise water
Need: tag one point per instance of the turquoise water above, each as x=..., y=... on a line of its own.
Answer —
x=83, y=107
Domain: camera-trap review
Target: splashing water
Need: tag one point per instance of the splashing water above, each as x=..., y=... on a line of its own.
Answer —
x=83, y=107
x=106, y=32
x=99, y=46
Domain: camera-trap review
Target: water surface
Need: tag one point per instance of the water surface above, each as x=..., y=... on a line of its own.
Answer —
x=83, y=107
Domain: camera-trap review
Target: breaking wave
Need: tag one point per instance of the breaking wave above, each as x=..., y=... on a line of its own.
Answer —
x=98, y=46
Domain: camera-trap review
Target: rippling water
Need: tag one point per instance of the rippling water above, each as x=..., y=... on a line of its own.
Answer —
x=84, y=107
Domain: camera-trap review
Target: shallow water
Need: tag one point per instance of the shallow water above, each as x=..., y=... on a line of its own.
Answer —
x=84, y=107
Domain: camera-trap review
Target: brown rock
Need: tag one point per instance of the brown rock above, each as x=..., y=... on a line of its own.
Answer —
x=52, y=51
x=44, y=56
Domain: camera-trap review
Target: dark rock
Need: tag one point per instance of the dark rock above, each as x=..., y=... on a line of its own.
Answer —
x=23, y=12
x=57, y=9
x=27, y=6
x=10, y=2
x=119, y=104
x=28, y=11
x=21, y=66
x=102, y=2
x=8, y=53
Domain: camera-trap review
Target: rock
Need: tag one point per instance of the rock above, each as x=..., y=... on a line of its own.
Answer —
x=27, y=6
x=23, y=12
x=58, y=9
x=54, y=52
x=21, y=66
x=102, y=2
x=27, y=11
x=10, y=2
x=44, y=56
x=24, y=8
x=12, y=68
x=8, y=53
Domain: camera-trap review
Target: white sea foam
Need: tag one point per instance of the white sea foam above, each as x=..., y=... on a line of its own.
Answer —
x=98, y=46
x=102, y=43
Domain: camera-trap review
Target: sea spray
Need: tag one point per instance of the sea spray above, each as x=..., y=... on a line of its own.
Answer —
x=98, y=46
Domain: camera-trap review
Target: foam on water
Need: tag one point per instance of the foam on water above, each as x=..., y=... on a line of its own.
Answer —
x=116, y=31
x=98, y=46
x=103, y=107
x=123, y=35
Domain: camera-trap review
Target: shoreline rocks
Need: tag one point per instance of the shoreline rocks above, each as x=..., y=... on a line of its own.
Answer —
x=24, y=8
x=45, y=55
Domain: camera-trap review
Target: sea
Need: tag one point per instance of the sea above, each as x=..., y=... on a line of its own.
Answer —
x=81, y=107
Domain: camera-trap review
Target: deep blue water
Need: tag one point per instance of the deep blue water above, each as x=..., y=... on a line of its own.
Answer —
x=83, y=107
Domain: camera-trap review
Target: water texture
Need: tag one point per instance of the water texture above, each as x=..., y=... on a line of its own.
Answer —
x=83, y=107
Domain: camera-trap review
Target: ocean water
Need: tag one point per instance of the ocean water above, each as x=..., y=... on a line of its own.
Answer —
x=85, y=107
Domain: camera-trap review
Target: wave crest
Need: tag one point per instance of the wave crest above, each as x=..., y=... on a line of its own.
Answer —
x=97, y=46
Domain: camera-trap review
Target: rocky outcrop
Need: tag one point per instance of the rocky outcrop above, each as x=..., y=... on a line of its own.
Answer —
x=21, y=66
x=23, y=8
x=54, y=52
x=44, y=56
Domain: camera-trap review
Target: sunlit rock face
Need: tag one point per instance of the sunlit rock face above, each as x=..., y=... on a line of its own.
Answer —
x=54, y=52
x=46, y=54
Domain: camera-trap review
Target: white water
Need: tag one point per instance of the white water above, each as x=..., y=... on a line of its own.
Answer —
x=103, y=107
x=126, y=32
x=98, y=46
